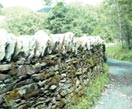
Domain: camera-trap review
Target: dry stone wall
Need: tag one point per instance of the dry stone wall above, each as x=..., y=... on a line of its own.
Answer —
x=46, y=72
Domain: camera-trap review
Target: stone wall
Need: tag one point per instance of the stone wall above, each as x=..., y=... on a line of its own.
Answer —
x=46, y=72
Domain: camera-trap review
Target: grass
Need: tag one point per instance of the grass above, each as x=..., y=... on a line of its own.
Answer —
x=93, y=92
x=118, y=53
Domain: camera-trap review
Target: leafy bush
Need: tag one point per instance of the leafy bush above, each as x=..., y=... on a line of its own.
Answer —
x=21, y=21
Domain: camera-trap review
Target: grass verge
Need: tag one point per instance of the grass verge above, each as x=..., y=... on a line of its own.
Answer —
x=118, y=53
x=93, y=92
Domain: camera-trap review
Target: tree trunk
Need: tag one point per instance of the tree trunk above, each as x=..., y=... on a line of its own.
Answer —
x=120, y=25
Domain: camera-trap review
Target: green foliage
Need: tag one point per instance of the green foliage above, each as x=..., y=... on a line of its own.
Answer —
x=84, y=19
x=21, y=21
x=118, y=13
x=57, y=21
x=74, y=18
x=93, y=92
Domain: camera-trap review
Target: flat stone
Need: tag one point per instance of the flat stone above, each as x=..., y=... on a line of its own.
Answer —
x=63, y=92
x=11, y=47
x=5, y=88
x=79, y=73
x=5, y=67
x=24, y=70
x=8, y=80
x=3, y=43
x=77, y=83
x=66, y=86
x=53, y=87
x=63, y=75
x=1, y=99
x=3, y=77
x=41, y=83
x=35, y=77
x=63, y=80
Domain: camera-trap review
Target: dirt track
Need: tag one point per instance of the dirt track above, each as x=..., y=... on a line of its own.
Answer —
x=118, y=94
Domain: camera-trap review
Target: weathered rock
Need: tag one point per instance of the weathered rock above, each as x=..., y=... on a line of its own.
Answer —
x=24, y=70
x=66, y=86
x=3, y=43
x=77, y=83
x=42, y=40
x=5, y=67
x=10, y=47
x=32, y=48
x=41, y=83
x=3, y=77
x=23, y=47
x=1, y=98
x=36, y=77
x=56, y=42
x=63, y=80
x=53, y=87
x=63, y=93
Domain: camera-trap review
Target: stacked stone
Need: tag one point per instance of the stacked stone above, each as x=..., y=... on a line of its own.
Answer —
x=43, y=71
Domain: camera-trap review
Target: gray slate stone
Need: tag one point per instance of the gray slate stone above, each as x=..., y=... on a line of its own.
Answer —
x=3, y=43
x=5, y=67
x=53, y=87
x=11, y=47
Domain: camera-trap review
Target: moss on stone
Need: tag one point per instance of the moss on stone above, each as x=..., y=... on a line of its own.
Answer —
x=13, y=94
x=31, y=94
x=44, y=75
x=95, y=58
x=90, y=62
x=54, y=80
x=61, y=104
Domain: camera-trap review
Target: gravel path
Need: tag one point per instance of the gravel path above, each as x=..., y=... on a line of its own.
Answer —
x=118, y=94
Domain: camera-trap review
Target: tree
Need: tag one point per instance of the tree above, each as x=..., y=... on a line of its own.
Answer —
x=119, y=13
x=57, y=21
x=126, y=15
x=107, y=22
